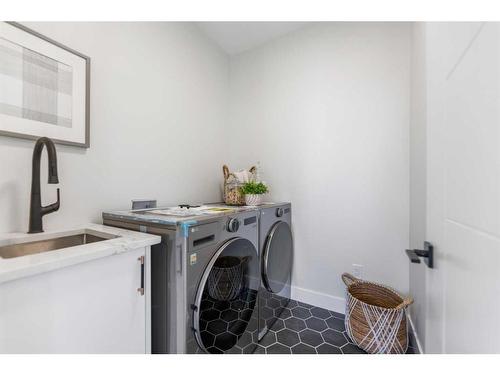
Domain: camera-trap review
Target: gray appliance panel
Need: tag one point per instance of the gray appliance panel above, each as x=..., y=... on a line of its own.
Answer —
x=172, y=313
x=272, y=304
x=220, y=325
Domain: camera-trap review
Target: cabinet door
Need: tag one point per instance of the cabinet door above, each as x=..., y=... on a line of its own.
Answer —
x=93, y=307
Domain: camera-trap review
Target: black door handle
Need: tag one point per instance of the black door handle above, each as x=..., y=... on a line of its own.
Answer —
x=427, y=254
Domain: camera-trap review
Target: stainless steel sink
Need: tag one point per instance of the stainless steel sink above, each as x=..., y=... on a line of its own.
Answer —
x=28, y=248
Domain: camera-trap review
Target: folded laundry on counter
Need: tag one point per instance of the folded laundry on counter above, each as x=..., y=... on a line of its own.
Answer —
x=244, y=175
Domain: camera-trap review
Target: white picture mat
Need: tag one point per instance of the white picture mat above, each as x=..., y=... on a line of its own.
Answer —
x=41, y=129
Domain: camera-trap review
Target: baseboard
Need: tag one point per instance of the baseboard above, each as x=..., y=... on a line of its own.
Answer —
x=415, y=334
x=319, y=299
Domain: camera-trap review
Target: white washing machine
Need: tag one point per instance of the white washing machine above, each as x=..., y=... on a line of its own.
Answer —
x=276, y=261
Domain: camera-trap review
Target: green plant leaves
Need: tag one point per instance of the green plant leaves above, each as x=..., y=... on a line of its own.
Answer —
x=253, y=187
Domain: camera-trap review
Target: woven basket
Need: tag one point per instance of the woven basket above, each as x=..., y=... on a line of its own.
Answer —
x=375, y=317
x=232, y=187
x=225, y=280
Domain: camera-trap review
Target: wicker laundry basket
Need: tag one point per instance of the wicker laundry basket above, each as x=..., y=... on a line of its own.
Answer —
x=225, y=280
x=375, y=317
x=232, y=187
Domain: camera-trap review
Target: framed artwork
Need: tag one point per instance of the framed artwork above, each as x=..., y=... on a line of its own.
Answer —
x=44, y=88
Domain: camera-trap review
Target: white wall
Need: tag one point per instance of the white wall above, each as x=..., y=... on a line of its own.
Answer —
x=326, y=112
x=418, y=177
x=159, y=97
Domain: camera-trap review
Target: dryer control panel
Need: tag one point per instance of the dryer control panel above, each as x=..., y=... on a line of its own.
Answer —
x=233, y=225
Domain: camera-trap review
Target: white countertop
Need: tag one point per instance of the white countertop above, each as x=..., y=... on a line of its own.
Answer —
x=28, y=265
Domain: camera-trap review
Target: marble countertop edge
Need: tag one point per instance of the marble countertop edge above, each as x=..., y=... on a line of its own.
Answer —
x=29, y=265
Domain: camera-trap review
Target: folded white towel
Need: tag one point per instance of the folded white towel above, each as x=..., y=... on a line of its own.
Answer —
x=243, y=175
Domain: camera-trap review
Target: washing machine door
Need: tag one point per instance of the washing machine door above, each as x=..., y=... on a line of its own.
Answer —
x=225, y=312
x=277, y=258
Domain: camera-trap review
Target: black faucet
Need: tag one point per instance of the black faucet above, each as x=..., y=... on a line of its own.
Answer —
x=36, y=209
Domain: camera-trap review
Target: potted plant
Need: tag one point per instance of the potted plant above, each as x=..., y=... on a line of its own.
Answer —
x=254, y=192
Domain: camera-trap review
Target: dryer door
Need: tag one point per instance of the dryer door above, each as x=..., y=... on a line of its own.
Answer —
x=225, y=312
x=277, y=258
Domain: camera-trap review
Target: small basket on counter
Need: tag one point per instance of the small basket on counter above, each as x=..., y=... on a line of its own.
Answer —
x=232, y=187
x=375, y=317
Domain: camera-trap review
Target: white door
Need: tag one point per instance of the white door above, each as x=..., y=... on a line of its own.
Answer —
x=463, y=187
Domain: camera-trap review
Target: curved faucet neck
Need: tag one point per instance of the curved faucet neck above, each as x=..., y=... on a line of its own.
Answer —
x=36, y=209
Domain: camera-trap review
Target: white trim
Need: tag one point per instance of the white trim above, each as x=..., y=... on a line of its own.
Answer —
x=319, y=299
x=419, y=345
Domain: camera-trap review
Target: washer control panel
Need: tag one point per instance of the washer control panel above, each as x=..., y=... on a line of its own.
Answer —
x=279, y=212
x=233, y=225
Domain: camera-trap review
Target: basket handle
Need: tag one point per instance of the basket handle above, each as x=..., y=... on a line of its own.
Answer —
x=225, y=170
x=349, y=279
x=406, y=302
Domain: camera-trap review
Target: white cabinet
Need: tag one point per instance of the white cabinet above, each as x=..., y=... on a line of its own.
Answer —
x=91, y=307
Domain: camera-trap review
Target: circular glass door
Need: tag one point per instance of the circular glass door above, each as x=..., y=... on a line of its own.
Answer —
x=277, y=258
x=226, y=312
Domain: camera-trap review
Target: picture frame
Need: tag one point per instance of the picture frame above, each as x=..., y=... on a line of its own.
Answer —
x=44, y=88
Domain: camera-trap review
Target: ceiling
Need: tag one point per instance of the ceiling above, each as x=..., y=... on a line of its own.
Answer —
x=236, y=37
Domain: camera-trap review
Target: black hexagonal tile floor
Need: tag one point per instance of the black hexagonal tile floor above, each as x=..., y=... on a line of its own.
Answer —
x=295, y=324
x=207, y=338
x=206, y=304
x=238, y=305
x=217, y=326
x=301, y=312
x=316, y=324
x=221, y=305
x=297, y=328
x=245, y=340
x=310, y=337
x=235, y=350
x=229, y=315
x=288, y=337
x=306, y=305
x=348, y=339
x=334, y=337
x=209, y=315
x=225, y=341
x=214, y=350
x=268, y=339
x=318, y=312
x=266, y=313
x=273, y=303
x=278, y=325
x=336, y=324
x=284, y=302
x=237, y=327
x=285, y=313
x=337, y=315
x=303, y=349
x=203, y=325
x=278, y=349
x=259, y=350
x=328, y=349
x=352, y=349
x=245, y=314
